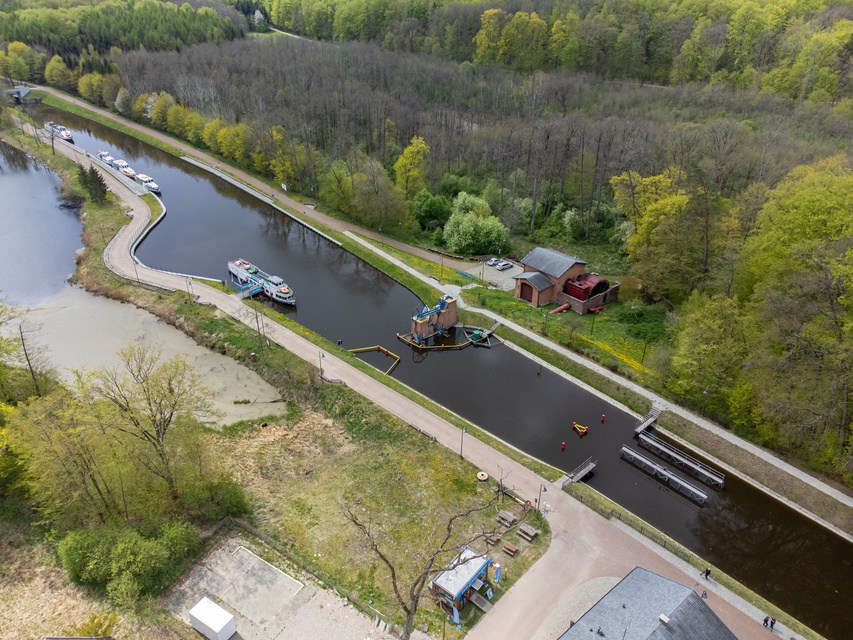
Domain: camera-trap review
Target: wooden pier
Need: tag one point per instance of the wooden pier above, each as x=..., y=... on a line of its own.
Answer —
x=646, y=421
x=683, y=460
x=659, y=471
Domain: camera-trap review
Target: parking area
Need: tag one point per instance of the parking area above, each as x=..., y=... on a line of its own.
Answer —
x=499, y=279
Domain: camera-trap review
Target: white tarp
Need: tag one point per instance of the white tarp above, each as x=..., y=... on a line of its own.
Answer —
x=212, y=621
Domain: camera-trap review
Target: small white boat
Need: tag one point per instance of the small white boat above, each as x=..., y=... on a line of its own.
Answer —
x=254, y=280
x=59, y=131
x=124, y=168
x=147, y=182
x=106, y=157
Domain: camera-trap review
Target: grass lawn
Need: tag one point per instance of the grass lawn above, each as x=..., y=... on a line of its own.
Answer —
x=305, y=466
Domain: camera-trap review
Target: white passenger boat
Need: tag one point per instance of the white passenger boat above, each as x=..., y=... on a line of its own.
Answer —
x=252, y=280
x=147, y=182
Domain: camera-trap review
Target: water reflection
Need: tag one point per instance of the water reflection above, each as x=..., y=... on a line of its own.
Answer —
x=38, y=238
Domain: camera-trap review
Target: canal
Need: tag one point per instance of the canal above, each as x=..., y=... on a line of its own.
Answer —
x=773, y=549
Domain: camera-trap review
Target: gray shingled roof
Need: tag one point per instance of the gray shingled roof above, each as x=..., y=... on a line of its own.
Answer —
x=550, y=261
x=536, y=278
x=632, y=610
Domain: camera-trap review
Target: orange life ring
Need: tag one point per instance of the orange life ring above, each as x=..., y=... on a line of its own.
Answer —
x=527, y=505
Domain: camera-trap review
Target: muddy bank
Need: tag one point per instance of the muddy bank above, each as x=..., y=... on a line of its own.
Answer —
x=80, y=331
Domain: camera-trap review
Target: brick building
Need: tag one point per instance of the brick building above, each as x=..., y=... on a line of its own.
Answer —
x=551, y=276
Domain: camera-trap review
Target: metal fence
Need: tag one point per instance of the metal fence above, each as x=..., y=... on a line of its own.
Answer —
x=638, y=525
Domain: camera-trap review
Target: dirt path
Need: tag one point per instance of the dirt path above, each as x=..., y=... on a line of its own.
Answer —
x=584, y=545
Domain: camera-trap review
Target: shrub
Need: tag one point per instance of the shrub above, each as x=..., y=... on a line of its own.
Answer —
x=179, y=538
x=124, y=591
x=215, y=500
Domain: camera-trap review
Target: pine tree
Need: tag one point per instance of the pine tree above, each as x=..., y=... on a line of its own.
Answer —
x=96, y=185
x=83, y=176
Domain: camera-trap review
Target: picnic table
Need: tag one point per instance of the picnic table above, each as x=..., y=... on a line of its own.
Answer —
x=527, y=532
x=511, y=549
x=507, y=518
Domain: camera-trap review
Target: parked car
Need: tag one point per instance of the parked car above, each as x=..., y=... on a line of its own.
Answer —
x=493, y=262
x=503, y=265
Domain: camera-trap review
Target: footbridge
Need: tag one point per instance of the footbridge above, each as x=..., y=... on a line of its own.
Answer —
x=646, y=421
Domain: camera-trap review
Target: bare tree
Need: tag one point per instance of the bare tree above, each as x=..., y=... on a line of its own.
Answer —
x=409, y=593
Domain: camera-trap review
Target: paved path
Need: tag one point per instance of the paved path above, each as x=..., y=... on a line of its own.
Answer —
x=584, y=545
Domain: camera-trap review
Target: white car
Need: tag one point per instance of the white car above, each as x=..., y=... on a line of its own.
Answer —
x=493, y=262
x=503, y=265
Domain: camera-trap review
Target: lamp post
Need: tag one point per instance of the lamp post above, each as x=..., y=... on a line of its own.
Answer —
x=462, y=440
x=320, y=361
x=102, y=236
x=542, y=489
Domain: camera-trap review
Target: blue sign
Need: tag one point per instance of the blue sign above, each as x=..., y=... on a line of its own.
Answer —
x=498, y=572
x=455, y=615
x=489, y=594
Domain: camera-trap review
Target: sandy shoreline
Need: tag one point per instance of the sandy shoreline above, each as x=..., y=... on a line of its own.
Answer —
x=78, y=330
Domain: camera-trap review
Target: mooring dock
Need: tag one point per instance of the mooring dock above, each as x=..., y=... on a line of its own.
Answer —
x=684, y=461
x=646, y=421
x=653, y=468
x=581, y=471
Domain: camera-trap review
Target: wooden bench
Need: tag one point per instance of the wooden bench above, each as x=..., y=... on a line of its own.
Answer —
x=527, y=532
x=507, y=518
x=493, y=539
x=511, y=549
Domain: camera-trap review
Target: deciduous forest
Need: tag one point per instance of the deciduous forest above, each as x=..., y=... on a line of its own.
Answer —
x=707, y=143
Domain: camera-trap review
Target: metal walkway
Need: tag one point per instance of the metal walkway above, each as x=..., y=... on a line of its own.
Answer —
x=653, y=468
x=247, y=291
x=582, y=470
x=646, y=421
x=683, y=460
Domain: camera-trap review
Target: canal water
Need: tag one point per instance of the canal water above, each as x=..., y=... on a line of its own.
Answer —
x=777, y=552
x=38, y=238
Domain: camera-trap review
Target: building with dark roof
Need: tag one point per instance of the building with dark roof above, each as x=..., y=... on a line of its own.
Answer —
x=551, y=276
x=647, y=606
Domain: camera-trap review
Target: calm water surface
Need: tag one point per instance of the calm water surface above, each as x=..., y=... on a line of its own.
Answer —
x=767, y=546
x=38, y=238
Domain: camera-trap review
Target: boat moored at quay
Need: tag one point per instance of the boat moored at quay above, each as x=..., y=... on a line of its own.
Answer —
x=253, y=281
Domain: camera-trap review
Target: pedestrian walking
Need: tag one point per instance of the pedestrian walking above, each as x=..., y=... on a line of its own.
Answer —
x=766, y=621
x=772, y=622
x=707, y=573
